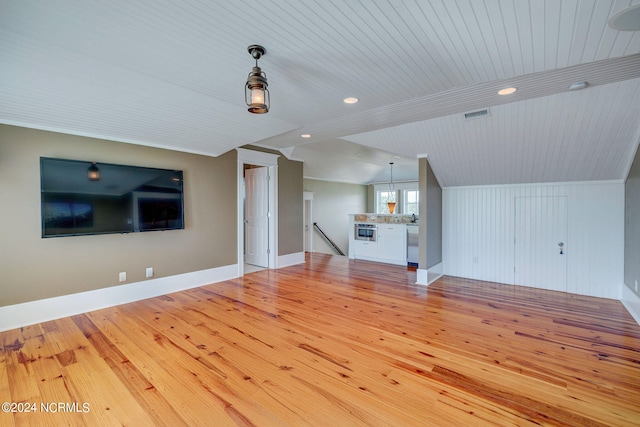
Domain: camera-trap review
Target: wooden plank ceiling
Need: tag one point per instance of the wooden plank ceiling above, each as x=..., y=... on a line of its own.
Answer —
x=171, y=74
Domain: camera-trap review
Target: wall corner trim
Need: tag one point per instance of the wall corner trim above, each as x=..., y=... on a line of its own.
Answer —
x=631, y=302
x=428, y=276
x=32, y=312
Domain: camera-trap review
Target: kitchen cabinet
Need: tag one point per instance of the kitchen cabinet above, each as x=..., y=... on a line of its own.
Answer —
x=365, y=249
x=392, y=243
x=384, y=238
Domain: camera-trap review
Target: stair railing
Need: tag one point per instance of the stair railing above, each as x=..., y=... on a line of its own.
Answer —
x=327, y=238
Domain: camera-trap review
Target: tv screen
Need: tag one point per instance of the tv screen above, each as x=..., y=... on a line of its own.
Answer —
x=80, y=198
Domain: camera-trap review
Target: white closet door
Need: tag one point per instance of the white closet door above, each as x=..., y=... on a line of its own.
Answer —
x=257, y=216
x=541, y=246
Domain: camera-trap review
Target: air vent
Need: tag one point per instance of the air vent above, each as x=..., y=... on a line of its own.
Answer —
x=476, y=114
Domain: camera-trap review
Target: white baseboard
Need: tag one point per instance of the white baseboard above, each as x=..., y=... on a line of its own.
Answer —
x=291, y=259
x=632, y=303
x=428, y=276
x=29, y=313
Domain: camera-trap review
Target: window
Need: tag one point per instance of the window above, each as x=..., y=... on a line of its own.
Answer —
x=406, y=194
x=410, y=202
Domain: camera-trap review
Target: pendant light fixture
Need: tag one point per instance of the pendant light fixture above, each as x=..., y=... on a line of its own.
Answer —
x=256, y=92
x=93, y=173
x=391, y=201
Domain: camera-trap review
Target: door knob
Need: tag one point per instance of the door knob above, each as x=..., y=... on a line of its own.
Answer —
x=561, y=245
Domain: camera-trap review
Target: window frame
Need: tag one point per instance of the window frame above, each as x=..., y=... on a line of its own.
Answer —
x=401, y=189
x=406, y=203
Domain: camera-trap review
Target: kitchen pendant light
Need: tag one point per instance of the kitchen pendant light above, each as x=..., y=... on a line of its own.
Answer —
x=93, y=173
x=256, y=92
x=391, y=201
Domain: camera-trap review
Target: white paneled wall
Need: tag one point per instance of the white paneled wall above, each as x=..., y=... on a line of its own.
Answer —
x=479, y=232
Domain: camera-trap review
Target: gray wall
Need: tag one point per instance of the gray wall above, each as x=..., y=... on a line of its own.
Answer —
x=332, y=202
x=290, y=207
x=290, y=203
x=632, y=226
x=434, y=218
x=35, y=268
x=430, y=234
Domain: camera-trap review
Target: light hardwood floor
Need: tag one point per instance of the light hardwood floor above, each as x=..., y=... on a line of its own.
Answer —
x=334, y=342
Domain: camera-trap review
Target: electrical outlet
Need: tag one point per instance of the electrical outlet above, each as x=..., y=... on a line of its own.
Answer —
x=122, y=276
x=149, y=272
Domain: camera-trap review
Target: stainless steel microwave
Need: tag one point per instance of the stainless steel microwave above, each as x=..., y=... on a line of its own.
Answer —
x=367, y=232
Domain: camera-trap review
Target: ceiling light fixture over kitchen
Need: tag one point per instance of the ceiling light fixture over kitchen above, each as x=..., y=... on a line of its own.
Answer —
x=256, y=92
x=350, y=100
x=391, y=201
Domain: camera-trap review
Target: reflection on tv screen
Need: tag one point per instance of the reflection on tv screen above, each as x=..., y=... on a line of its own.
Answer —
x=68, y=214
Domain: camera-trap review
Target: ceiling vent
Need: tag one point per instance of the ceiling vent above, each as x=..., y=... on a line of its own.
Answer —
x=476, y=114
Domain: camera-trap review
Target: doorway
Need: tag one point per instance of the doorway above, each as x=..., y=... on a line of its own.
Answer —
x=257, y=210
x=307, y=212
x=256, y=216
x=541, y=242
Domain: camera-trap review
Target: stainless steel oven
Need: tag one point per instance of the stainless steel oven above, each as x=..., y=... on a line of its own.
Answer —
x=367, y=232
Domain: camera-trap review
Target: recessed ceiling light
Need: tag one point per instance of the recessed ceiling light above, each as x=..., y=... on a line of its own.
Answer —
x=627, y=19
x=578, y=85
x=350, y=100
x=305, y=135
x=507, y=91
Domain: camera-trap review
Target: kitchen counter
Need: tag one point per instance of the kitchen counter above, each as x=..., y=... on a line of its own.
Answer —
x=385, y=242
x=382, y=218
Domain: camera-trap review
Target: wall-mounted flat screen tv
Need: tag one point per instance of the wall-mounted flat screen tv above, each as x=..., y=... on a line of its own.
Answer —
x=80, y=198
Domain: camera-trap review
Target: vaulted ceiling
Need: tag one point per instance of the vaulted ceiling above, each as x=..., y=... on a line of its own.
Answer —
x=171, y=74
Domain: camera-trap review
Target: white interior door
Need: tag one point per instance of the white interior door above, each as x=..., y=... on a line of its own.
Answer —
x=257, y=216
x=541, y=242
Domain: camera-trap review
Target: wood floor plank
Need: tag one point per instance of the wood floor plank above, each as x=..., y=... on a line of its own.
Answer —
x=334, y=342
x=48, y=362
x=192, y=391
x=143, y=391
x=93, y=381
x=270, y=370
x=228, y=379
x=22, y=377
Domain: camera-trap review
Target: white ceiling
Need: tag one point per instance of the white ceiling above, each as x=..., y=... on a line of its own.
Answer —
x=171, y=74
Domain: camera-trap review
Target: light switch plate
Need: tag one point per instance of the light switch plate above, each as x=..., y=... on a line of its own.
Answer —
x=122, y=276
